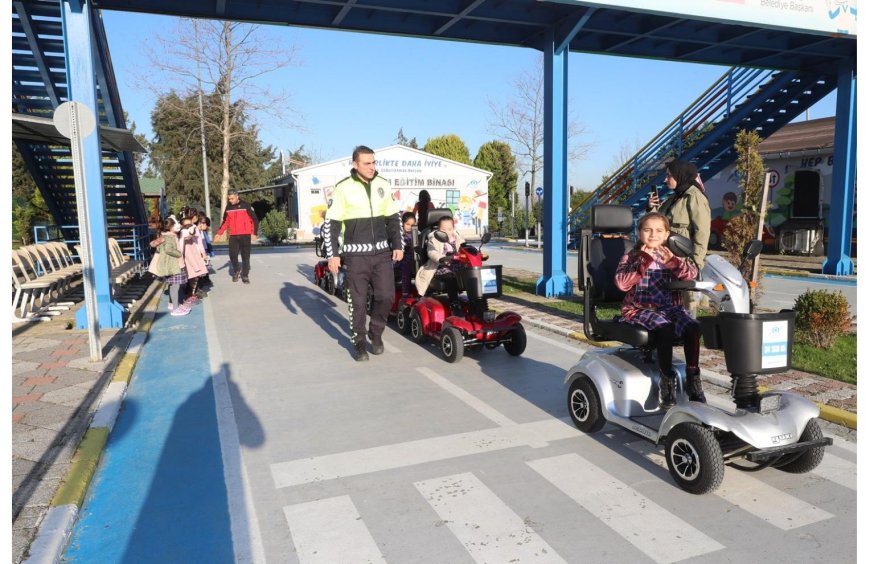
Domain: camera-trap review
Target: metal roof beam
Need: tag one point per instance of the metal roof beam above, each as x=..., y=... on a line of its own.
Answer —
x=464, y=12
x=343, y=12
x=568, y=29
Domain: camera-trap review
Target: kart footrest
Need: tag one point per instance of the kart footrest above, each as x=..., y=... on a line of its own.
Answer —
x=764, y=454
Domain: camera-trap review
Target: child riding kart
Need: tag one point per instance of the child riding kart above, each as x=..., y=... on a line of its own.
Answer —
x=621, y=384
x=454, y=320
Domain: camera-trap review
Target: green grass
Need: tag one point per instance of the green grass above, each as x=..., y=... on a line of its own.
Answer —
x=840, y=362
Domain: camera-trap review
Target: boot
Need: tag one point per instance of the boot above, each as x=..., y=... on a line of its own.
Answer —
x=693, y=384
x=667, y=389
x=377, y=343
x=359, y=351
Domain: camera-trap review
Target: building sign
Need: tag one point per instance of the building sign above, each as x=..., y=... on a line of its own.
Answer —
x=812, y=16
x=450, y=184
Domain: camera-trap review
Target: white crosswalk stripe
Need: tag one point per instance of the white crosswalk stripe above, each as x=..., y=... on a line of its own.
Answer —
x=330, y=530
x=363, y=461
x=781, y=510
x=470, y=400
x=839, y=471
x=489, y=529
x=661, y=535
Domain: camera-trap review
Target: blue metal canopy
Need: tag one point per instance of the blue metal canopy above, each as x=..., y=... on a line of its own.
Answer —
x=525, y=23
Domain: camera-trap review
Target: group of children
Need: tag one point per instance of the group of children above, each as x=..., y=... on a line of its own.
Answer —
x=183, y=251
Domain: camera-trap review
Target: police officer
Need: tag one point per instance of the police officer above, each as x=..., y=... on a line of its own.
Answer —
x=363, y=206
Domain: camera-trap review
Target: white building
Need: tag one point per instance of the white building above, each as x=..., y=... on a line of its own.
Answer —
x=450, y=184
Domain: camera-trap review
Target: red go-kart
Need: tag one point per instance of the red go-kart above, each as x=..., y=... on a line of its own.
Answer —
x=465, y=321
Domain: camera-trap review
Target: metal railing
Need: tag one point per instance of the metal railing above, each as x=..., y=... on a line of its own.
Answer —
x=734, y=89
x=133, y=239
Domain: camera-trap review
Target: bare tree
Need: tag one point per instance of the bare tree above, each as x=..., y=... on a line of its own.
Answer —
x=228, y=59
x=627, y=151
x=520, y=123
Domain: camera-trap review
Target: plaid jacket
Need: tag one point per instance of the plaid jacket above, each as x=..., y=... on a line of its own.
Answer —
x=632, y=272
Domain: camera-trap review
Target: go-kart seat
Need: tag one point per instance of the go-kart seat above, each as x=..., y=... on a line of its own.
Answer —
x=600, y=252
x=434, y=217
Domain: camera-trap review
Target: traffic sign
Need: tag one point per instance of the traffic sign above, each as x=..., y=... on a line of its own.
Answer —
x=539, y=191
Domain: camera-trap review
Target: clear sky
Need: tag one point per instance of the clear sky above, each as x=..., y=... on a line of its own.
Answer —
x=353, y=88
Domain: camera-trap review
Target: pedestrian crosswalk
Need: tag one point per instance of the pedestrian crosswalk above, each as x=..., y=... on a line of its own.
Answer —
x=490, y=530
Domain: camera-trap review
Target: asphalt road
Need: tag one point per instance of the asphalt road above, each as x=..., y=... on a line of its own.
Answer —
x=407, y=458
x=779, y=292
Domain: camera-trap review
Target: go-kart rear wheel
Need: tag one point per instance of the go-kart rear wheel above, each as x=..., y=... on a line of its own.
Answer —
x=516, y=344
x=584, y=405
x=808, y=459
x=452, y=345
x=403, y=320
x=694, y=458
x=417, y=333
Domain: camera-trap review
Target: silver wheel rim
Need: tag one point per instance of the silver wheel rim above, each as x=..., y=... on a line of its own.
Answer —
x=580, y=405
x=400, y=319
x=416, y=329
x=685, y=459
x=447, y=346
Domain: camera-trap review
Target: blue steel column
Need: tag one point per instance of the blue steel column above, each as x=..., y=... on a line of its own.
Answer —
x=554, y=281
x=82, y=88
x=839, y=260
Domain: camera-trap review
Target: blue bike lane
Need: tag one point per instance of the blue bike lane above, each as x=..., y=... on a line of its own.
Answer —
x=159, y=494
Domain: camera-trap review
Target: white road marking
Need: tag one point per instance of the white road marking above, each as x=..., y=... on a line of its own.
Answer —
x=473, y=402
x=838, y=470
x=376, y=459
x=489, y=529
x=659, y=534
x=752, y=495
x=330, y=530
x=844, y=444
x=245, y=528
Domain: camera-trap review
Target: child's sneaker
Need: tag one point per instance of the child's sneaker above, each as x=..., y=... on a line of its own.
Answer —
x=192, y=300
x=180, y=310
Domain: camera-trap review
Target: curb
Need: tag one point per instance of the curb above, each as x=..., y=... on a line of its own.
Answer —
x=56, y=528
x=828, y=413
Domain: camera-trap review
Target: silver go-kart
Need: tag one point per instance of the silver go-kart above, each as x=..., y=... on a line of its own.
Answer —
x=621, y=384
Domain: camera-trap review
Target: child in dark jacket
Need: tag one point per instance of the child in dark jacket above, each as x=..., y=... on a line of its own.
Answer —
x=643, y=273
x=406, y=265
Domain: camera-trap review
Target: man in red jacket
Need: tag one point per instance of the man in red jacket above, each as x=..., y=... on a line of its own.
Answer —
x=240, y=219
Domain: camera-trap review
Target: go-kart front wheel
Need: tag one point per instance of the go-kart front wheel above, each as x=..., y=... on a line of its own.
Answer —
x=694, y=458
x=417, y=333
x=516, y=343
x=403, y=320
x=329, y=283
x=808, y=459
x=452, y=345
x=584, y=405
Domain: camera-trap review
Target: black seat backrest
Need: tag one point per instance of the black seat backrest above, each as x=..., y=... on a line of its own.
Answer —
x=601, y=250
x=434, y=217
x=613, y=224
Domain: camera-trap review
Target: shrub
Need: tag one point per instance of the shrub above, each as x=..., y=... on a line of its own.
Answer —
x=274, y=226
x=821, y=317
